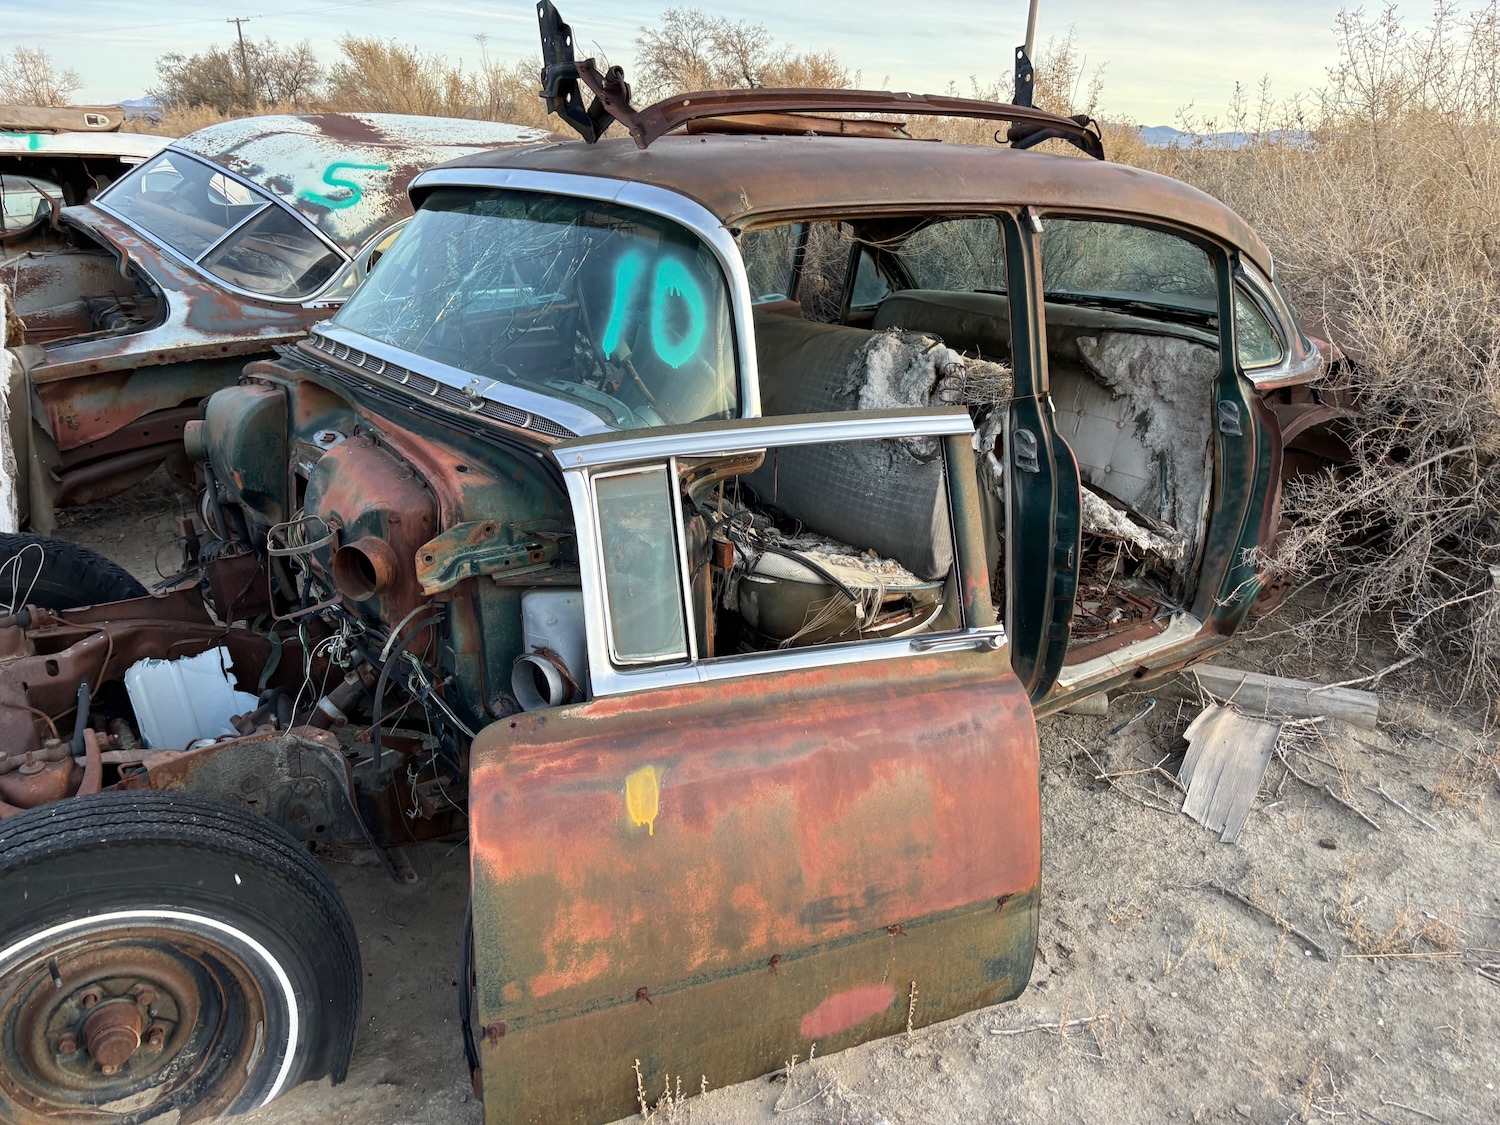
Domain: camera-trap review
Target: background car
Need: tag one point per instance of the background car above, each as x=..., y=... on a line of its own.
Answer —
x=225, y=244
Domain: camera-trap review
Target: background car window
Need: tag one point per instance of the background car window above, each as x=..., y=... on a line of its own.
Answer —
x=186, y=205
x=957, y=254
x=642, y=579
x=24, y=202
x=274, y=254
x=1124, y=263
x=1257, y=343
x=770, y=258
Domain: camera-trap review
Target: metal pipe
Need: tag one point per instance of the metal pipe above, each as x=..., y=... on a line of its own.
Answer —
x=1031, y=32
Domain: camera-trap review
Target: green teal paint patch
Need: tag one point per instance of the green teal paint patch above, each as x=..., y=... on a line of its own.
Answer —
x=33, y=140
x=679, y=308
x=332, y=178
x=627, y=275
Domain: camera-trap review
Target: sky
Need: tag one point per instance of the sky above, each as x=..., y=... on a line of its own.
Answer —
x=1158, y=55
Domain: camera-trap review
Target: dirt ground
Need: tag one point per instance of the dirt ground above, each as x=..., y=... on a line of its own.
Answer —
x=1340, y=961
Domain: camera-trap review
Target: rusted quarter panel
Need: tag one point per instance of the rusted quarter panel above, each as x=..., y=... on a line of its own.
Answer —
x=714, y=878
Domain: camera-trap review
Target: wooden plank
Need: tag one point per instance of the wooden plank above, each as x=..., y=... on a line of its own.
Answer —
x=1227, y=757
x=1256, y=694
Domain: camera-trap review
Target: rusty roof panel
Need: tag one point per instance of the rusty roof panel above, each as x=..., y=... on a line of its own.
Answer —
x=741, y=179
x=347, y=172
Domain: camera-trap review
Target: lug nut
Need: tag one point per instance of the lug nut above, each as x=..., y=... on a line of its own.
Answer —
x=109, y=1070
x=67, y=1043
x=88, y=999
x=156, y=1037
x=144, y=994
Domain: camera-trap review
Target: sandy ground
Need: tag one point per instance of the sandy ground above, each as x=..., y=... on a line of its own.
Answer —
x=1361, y=982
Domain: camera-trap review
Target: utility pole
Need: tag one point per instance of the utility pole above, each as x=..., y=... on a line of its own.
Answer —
x=239, y=27
x=1025, y=77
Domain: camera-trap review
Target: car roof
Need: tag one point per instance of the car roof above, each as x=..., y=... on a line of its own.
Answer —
x=741, y=178
x=347, y=172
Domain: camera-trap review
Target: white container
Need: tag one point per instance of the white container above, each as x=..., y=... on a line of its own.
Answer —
x=552, y=620
x=177, y=702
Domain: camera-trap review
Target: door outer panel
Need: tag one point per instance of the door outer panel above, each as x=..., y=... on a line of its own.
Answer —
x=712, y=878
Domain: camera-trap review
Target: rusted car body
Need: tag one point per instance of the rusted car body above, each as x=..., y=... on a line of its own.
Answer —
x=705, y=516
x=235, y=239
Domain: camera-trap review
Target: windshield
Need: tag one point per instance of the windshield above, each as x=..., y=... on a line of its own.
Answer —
x=612, y=309
x=191, y=207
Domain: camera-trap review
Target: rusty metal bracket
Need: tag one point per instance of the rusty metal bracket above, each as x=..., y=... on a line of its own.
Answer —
x=468, y=550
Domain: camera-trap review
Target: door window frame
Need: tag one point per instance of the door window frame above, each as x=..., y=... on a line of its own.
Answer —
x=585, y=459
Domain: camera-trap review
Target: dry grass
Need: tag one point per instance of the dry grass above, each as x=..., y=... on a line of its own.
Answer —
x=1410, y=932
x=1383, y=214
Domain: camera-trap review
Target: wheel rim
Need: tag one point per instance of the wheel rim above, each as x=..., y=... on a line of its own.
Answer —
x=156, y=1008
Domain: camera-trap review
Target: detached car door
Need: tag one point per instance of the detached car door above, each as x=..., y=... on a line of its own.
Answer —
x=744, y=847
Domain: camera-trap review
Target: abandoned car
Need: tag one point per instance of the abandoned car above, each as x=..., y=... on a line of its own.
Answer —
x=230, y=241
x=59, y=157
x=697, y=520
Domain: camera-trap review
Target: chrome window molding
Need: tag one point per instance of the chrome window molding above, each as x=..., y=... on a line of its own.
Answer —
x=607, y=678
x=724, y=438
x=655, y=201
x=575, y=418
x=101, y=201
x=1299, y=362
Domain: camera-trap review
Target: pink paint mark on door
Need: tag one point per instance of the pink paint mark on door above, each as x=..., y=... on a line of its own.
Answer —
x=844, y=1010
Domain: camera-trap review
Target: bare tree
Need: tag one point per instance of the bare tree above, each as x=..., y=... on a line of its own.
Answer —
x=28, y=77
x=691, y=50
x=215, y=78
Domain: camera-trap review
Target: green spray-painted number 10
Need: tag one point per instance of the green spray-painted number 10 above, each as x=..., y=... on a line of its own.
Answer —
x=679, y=314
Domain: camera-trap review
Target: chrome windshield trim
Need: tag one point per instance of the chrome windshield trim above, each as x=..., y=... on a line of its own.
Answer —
x=751, y=434
x=101, y=201
x=575, y=418
x=653, y=200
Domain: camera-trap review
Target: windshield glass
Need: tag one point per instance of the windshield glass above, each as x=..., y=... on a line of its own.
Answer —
x=614, y=310
x=190, y=206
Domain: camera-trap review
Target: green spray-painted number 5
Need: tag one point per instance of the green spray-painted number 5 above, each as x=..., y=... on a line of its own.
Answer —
x=672, y=284
x=332, y=179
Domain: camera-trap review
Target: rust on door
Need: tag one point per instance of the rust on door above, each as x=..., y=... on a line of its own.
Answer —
x=711, y=879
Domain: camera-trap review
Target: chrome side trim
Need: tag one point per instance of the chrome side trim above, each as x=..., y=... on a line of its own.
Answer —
x=753, y=434
x=653, y=200
x=574, y=418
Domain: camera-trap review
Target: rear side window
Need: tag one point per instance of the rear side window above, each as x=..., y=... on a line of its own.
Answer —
x=1257, y=341
x=1119, y=263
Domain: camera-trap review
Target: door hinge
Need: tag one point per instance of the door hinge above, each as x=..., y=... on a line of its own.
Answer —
x=1025, y=451
x=1229, y=418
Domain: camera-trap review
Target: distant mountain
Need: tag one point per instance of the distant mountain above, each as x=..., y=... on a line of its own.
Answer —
x=147, y=107
x=1164, y=136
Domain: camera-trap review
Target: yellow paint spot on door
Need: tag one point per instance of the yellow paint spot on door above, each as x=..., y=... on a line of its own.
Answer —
x=643, y=798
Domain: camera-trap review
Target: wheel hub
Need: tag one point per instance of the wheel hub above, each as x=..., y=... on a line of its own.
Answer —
x=113, y=1032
